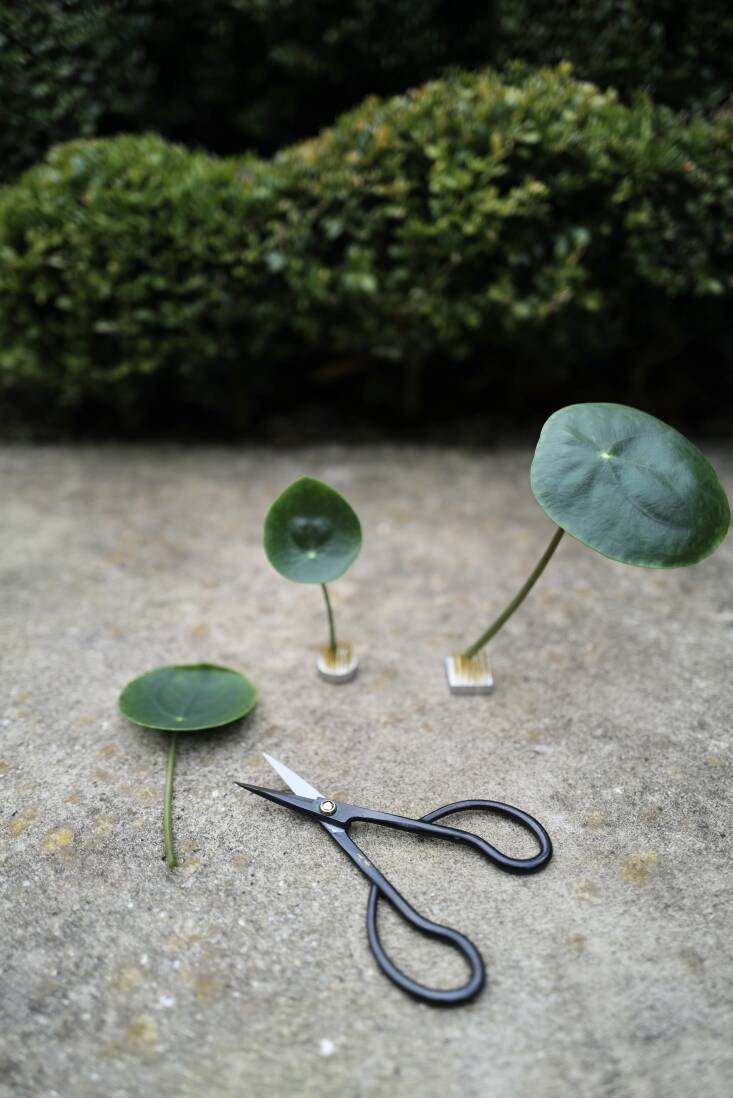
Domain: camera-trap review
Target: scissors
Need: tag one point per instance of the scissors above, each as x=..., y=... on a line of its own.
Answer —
x=336, y=817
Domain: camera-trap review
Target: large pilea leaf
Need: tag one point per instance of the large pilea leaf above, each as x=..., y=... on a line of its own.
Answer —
x=187, y=698
x=312, y=535
x=629, y=486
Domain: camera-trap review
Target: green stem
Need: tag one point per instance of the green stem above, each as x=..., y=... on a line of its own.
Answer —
x=170, y=850
x=331, y=626
x=520, y=596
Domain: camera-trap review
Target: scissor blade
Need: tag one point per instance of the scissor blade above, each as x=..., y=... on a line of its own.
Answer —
x=297, y=784
x=290, y=800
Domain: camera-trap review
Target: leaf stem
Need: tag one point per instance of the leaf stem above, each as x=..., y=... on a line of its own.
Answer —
x=520, y=596
x=331, y=625
x=170, y=850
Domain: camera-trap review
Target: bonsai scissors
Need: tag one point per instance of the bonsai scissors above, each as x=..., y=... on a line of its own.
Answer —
x=336, y=817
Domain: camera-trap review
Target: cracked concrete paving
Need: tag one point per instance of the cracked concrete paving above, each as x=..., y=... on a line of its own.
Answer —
x=247, y=971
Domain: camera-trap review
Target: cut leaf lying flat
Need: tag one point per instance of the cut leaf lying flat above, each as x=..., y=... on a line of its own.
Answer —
x=188, y=697
x=312, y=535
x=629, y=486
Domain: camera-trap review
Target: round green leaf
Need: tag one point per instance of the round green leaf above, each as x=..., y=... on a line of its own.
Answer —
x=629, y=486
x=312, y=535
x=187, y=698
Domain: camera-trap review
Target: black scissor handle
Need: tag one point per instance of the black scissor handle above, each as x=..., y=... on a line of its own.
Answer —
x=382, y=887
x=498, y=857
x=453, y=996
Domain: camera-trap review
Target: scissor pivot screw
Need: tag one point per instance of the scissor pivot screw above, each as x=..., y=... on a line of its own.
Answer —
x=327, y=808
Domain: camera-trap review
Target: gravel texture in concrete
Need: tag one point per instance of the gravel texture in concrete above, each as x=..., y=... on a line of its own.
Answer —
x=247, y=970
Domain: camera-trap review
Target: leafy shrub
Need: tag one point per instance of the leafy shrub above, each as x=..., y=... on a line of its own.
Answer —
x=681, y=53
x=64, y=66
x=236, y=74
x=227, y=75
x=533, y=228
x=133, y=272
x=262, y=73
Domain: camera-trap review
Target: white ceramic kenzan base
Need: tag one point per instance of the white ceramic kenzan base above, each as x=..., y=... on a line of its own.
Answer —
x=339, y=666
x=469, y=674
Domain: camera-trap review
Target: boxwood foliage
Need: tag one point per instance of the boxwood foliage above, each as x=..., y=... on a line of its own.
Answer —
x=680, y=52
x=262, y=73
x=65, y=67
x=532, y=228
x=134, y=279
x=236, y=74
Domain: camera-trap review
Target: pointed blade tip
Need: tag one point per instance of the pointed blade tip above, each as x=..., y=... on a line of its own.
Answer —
x=299, y=785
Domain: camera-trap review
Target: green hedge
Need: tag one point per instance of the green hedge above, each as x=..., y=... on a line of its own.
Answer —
x=533, y=229
x=679, y=52
x=129, y=279
x=237, y=74
x=65, y=66
x=264, y=72
x=228, y=75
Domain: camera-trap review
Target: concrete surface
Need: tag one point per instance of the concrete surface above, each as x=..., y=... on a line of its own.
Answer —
x=247, y=971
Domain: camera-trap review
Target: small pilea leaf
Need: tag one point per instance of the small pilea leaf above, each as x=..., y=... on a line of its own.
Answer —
x=312, y=535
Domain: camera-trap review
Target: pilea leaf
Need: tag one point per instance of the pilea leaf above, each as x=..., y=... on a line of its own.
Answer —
x=187, y=698
x=312, y=535
x=629, y=486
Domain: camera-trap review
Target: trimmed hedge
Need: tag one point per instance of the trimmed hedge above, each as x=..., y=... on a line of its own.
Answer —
x=262, y=73
x=129, y=279
x=236, y=74
x=65, y=67
x=679, y=52
x=532, y=228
